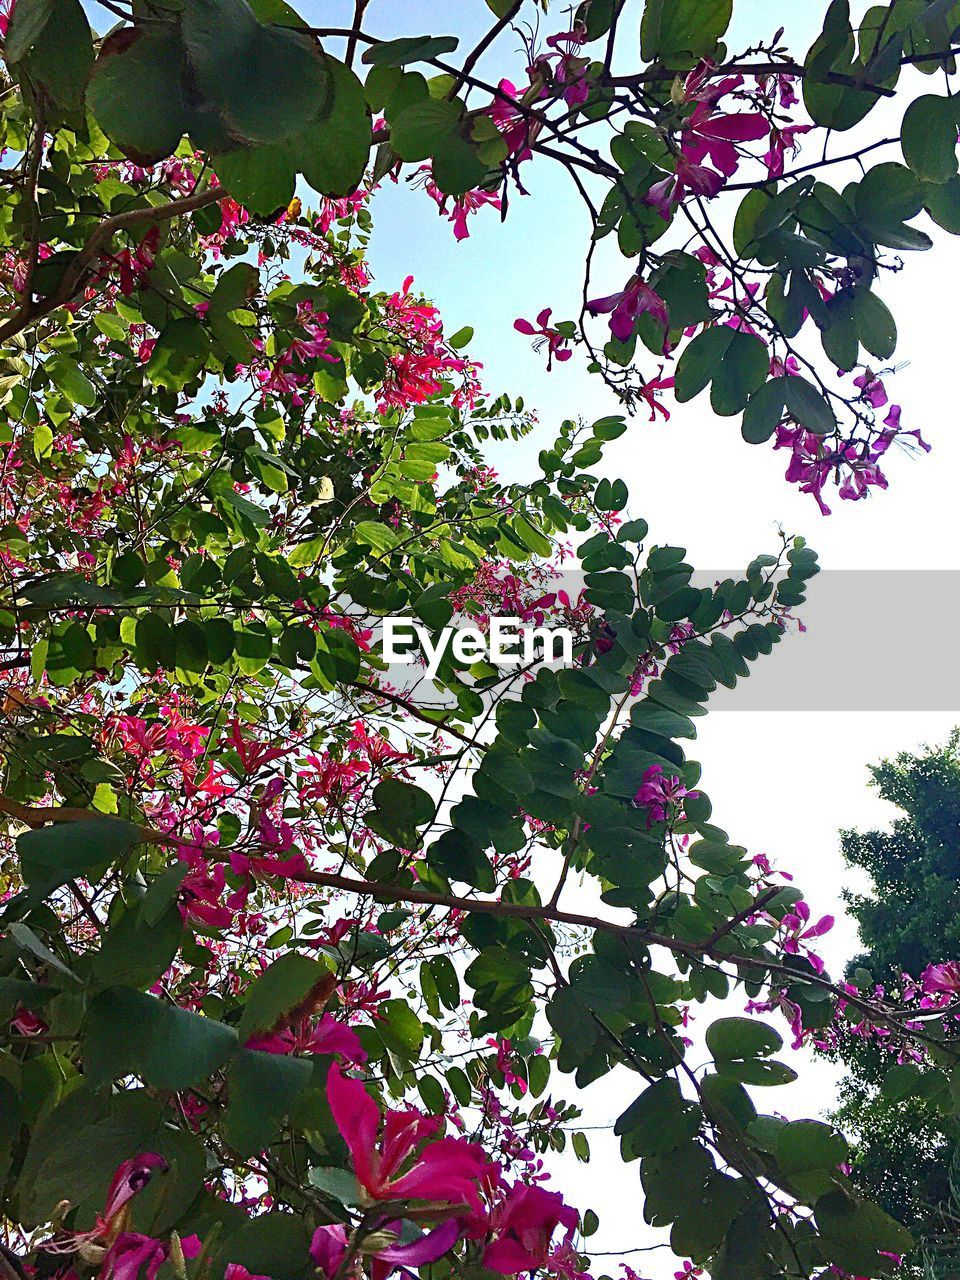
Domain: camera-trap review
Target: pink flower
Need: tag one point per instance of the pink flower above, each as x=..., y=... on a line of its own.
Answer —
x=327, y=1248
x=782, y=141
x=130, y=1177
x=404, y=1163
x=648, y=392
x=516, y=127
x=129, y=1254
x=329, y=1244
x=660, y=795
x=462, y=206
x=522, y=1226
x=570, y=69
x=555, y=342
x=941, y=977
x=26, y=1023
x=665, y=195
x=201, y=891
x=326, y=1036
x=624, y=308
x=872, y=389
x=797, y=930
x=505, y=1063
x=708, y=136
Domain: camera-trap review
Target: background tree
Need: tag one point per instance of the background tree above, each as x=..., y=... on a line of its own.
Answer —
x=290, y=962
x=908, y=921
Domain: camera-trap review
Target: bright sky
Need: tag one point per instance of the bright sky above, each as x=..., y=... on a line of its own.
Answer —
x=782, y=783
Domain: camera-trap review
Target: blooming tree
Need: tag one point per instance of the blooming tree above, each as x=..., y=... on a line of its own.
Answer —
x=290, y=963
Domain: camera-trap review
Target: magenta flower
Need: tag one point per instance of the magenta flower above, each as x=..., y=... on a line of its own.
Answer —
x=570, y=69
x=516, y=128
x=556, y=343
x=505, y=1063
x=941, y=977
x=713, y=138
x=895, y=432
x=325, y=1036
x=782, y=141
x=660, y=795
x=811, y=464
x=522, y=1226
x=462, y=207
x=872, y=389
x=648, y=392
x=132, y=1255
x=403, y=1163
x=131, y=1176
x=665, y=195
x=797, y=931
x=688, y=1271
x=329, y=1244
x=624, y=307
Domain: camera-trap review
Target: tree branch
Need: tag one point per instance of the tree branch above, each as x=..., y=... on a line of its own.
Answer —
x=30, y=311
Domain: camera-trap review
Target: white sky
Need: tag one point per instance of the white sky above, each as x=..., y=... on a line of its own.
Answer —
x=781, y=783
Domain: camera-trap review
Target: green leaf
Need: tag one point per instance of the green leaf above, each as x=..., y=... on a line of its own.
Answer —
x=808, y=406
x=803, y=1145
x=397, y=53
x=446, y=981
x=400, y=1029
x=461, y=338
x=400, y=808
x=942, y=202
x=699, y=361
x=736, y=363
x=262, y=179
x=764, y=411
x=835, y=105
x=268, y=82
x=69, y=378
x=457, y=166
x=234, y=288
x=658, y=1121
x=730, y=1039
x=62, y=54
x=332, y=153
x=421, y=129
x=378, y=536
x=888, y=196
x=262, y=1090
x=180, y=353
x=50, y=856
x=928, y=137
x=292, y=980
x=274, y=1244
x=672, y=29
x=856, y=1233
x=137, y=951
x=339, y=1183
x=432, y=1095
x=135, y=93
x=128, y=1033
x=876, y=327
x=26, y=26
